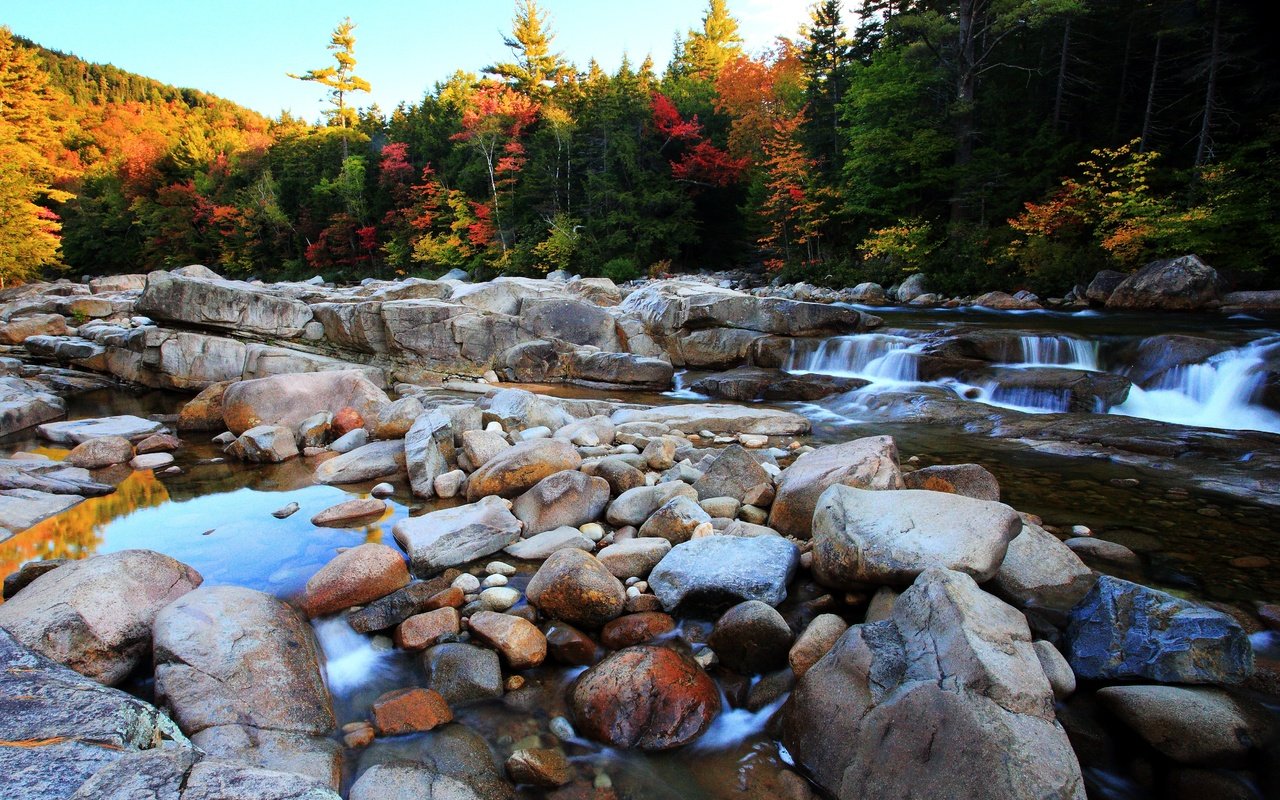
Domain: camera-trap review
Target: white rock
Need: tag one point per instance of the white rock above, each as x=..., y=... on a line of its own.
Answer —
x=499, y=568
x=494, y=580
x=499, y=598
x=468, y=583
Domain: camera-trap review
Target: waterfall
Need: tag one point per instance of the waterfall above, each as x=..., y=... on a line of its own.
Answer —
x=350, y=657
x=876, y=357
x=1016, y=398
x=1058, y=351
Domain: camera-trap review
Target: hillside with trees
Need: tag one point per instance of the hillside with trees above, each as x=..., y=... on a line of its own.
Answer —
x=987, y=143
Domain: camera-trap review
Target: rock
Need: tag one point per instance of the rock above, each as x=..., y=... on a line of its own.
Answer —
x=454, y=536
x=715, y=572
x=1155, y=356
x=862, y=536
x=573, y=586
x=314, y=430
x=568, y=645
x=723, y=507
x=646, y=697
x=394, y=419
x=970, y=480
x=409, y=779
x=289, y=399
x=15, y=582
x=660, y=453
x=159, y=443
x=151, y=461
x=350, y=513
x=351, y=440
x=18, y=330
x=1191, y=725
x=517, y=469
x=157, y=772
x=356, y=577
x=266, y=444
x=620, y=475
x=1099, y=553
x=60, y=728
x=564, y=498
x=733, y=473
x=382, y=490
x=1004, y=301
x=633, y=629
x=96, y=615
x=394, y=608
x=911, y=288
x=633, y=558
x=409, y=711
x=542, y=545
x=751, y=638
x=450, y=484
x=1056, y=669
x=1122, y=630
x=816, y=641
x=675, y=520
x=945, y=698
x=429, y=451
x=82, y=430
x=1177, y=284
x=204, y=411
x=572, y=321
x=347, y=420
x=521, y=645
x=634, y=506
x=540, y=766
x=480, y=446
x=867, y=293
x=22, y=508
x=25, y=403
x=100, y=452
x=368, y=463
x=229, y=780
x=869, y=463
x=462, y=673
x=1040, y=572
x=284, y=512
x=1102, y=286
x=718, y=418
x=423, y=630
x=1067, y=389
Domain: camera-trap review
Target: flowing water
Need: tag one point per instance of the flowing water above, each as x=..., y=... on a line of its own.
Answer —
x=216, y=517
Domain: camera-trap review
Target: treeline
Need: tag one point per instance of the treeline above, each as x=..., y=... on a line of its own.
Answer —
x=987, y=143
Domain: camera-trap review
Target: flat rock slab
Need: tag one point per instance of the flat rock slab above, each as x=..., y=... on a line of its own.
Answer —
x=721, y=571
x=22, y=508
x=81, y=430
x=455, y=536
x=718, y=418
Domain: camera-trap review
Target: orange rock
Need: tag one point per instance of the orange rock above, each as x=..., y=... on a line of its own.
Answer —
x=358, y=576
x=453, y=597
x=345, y=421
x=517, y=640
x=409, y=711
x=635, y=629
x=422, y=630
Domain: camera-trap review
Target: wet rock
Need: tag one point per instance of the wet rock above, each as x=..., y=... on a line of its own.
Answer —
x=646, y=697
x=945, y=698
x=911, y=288
x=223, y=780
x=289, y=399
x=316, y=759
x=541, y=546
x=519, y=468
x=82, y=430
x=409, y=779
x=357, y=576
x=352, y=512
x=1155, y=356
x=1041, y=572
x=394, y=419
x=284, y=512
x=1202, y=726
x=391, y=610
x=1176, y=284
x=100, y=452
x=816, y=641
x=1099, y=553
x=519, y=642
x=420, y=631
x=1102, y=285
x=429, y=452
x=633, y=629
x=541, y=766
x=715, y=572
x=451, y=751
x=159, y=443
x=314, y=430
x=1122, y=630
x=733, y=473
x=368, y=463
x=620, y=475
x=454, y=536
x=569, y=498
x=268, y=444
x=751, y=638
x=970, y=480
x=151, y=461
x=675, y=520
x=862, y=536
x=463, y=673
x=480, y=446
x=634, y=506
x=409, y=711
x=351, y=440
x=568, y=645
x=1056, y=669
x=869, y=463
x=718, y=418
x=573, y=586
x=1077, y=390
x=96, y=615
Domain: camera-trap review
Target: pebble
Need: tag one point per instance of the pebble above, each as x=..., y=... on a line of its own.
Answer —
x=499, y=568
x=513, y=683
x=382, y=490
x=468, y=583
x=494, y=580
x=561, y=728
x=499, y=598
x=593, y=531
x=494, y=427
x=633, y=592
x=1081, y=530
x=286, y=511
x=540, y=432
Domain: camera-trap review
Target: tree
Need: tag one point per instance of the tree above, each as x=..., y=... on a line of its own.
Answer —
x=341, y=79
x=825, y=54
x=530, y=42
x=705, y=52
x=790, y=209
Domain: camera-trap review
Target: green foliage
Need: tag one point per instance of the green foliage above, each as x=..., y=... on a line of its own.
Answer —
x=621, y=269
x=900, y=249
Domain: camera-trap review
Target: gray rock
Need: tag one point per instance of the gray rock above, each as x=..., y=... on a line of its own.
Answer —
x=222, y=780
x=15, y=582
x=480, y=446
x=675, y=520
x=389, y=611
x=458, y=535
x=451, y=751
x=463, y=673
x=1041, y=572
x=970, y=480
x=22, y=508
x=542, y=545
x=567, y=498
x=267, y=444
x=716, y=572
x=233, y=306
x=1176, y=284
x=351, y=440
x=82, y=430
x=869, y=463
x=718, y=418
x=156, y=773
x=732, y=474
x=429, y=451
x=751, y=638
x=911, y=288
x=371, y=462
x=409, y=779
x=633, y=558
x=290, y=399
x=1191, y=725
x=394, y=419
x=634, y=506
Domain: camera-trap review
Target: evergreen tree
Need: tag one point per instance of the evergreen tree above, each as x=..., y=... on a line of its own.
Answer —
x=825, y=54
x=341, y=78
x=705, y=52
x=535, y=64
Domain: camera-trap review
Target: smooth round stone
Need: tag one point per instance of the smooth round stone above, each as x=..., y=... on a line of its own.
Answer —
x=540, y=432
x=561, y=728
x=494, y=427
x=499, y=568
x=494, y=580
x=1081, y=530
x=593, y=531
x=151, y=461
x=499, y=598
x=468, y=583
x=382, y=490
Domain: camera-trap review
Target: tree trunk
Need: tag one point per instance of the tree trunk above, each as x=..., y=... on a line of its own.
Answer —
x=966, y=79
x=1124, y=82
x=1203, y=147
x=1062, y=74
x=1151, y=96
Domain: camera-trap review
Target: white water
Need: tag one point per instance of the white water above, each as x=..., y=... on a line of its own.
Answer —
x=876, y=357
x=350, y=657
x=1015, y=398
x=734, y=726
x=1058, y=351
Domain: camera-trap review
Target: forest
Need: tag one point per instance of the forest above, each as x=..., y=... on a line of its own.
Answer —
x=991, y=144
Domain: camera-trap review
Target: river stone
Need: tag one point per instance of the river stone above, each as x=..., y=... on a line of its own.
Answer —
x=675, y=520
x=429, y=451
x=151, y=461
x=620, y=475
x=318, y=759
x=1056, y=669
x=480, y=446
x=733, y=473
x=1123, y=630
x=816, y=641
x=351, y=440
x=633, y=629
x=542, y=545
x=644, y=697
x=568, y=497
x=868, y=463
x=519, y=642
x=1101, y=554
x=82, y=430
x=1175, y=284
x=463, y=673
x=715, y=572
x=355, y=577
x=862, y=536
x=574, y=586
x=394, y=419
x=518, y=409
x=266, y=444
x=718, y=418
x=1191, y=725
x=156, y=773
x=946, y=698
x=454, y=536
x=518, y=468
x=15, y=582
x=590, y=432
x=970, y=480
x=541, y=766
x=159, y=443
x=368, y=463
x=19, y=330
x=1154, y=356
x=314, y=430
x=751, y=638
x=228, y=780
x=102, y=451
x=634, y=506
x=96, y=615
x=1102, y=285
x=204, y=411
x=352, y=512
x=72, y=726
x=911, y=288
x=1041, y=572
x=633, y=558
x=391, y=610
x=423, y=630
x=409, y=779
x=289, y=399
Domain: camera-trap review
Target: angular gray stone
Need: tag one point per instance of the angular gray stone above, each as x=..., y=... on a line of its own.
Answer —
x=732, y=474
x=76, y=431
x=634, y=506
x=633, y=558
x=429, y=451
x=454, y=536
x=568, y=497
x=233, y=306
x=463, y=673
x=716, y=572
x=223, y=780
x=266, y=444
x=1040, y=572
x=370, y=462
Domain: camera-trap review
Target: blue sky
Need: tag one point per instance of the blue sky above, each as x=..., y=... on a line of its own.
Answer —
x=240, y=49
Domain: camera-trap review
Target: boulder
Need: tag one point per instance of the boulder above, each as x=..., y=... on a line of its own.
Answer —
x=751, y=638
x=573, y=321
x=454, y=536
x=463, y=673
x=103, y=451
x=356, y=577
x=1058, y=388
x=913, y=287
x=368, y=463
x=519, y=642
x=867, y=292
x=646, y=697
x=634, y=506
x=1156, y=356
x=409, y=779
x=229, y=780
x=516, y=469
x=946, y=698
x=1123, y=630
x=518, y=409
x=15, y=582
x=266, y=444
x=733, y=473
x=25, y=403
x=411, y=710
x=480, y=446
x=715, y=572
x=351, y=513
x=82, y=430
x=1102, y=286
x=868, y=463
x=816, y=641
x=1040, y=572
x=429, y=451
x=96, y=615
x=394, y=419
x=1191, y=725
x=18, y=330
x=1175, y=284
x=22, y=508
x=633, y=558
x=542, y=545
x=289, y=399
x=233, y=306
x=573, y=586
x=568, y=497
x=970, y=480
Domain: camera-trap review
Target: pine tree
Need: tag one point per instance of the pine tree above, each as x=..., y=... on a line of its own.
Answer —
x=825, y=54
x=340, y=79
x=530, y=42
x=705, y=52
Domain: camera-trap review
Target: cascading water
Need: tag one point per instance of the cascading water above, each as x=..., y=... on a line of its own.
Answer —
x=350, y=657
x=1058, y=351
x=875, y=357
x=1217, y=393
